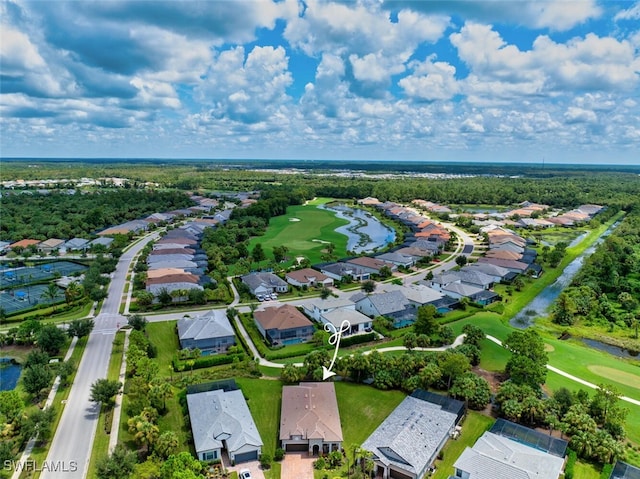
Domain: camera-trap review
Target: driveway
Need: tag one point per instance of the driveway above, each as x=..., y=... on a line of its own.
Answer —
x=253, y=466
x=297, y=465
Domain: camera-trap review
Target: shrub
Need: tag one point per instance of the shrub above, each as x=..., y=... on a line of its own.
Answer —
x=319, y=464
x=571, y=462
x=279, y=454
x=265, y=461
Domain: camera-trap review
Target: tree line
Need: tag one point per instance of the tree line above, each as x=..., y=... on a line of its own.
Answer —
x=62, y=215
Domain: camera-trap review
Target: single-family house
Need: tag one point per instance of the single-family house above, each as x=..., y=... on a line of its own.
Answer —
x=496, y=456
x=221, y=420
x=102, y=241
x=417, y=294
x=52, y=244
x=25, y=243
x=371, y=265
x=514, y=266
x=307, y=277
x=392, y=305
x=76, y=244
x=341, y=271
x=181, y=264
x=264, y=283
x=159, y=273
x=408, y=441
x=159, y=287
x=497, y=273
x=283, y=325
x=473, y=293
x=211, y=333
x=476, y=278
x=317, y=307
x=166, y=251
x=151, y=259
x=398, y=259
x=358, y=322
x=309, y=418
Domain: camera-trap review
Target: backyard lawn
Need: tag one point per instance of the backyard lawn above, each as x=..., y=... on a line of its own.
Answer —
x=304, y=230
x=474, y=426
x=362, y=410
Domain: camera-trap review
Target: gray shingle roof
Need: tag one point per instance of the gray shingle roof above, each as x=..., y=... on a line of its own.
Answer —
x=410, y=437
x=214, y=324
x=496, y=457
x=217, y=415
x=391, y=302
x=270, y=280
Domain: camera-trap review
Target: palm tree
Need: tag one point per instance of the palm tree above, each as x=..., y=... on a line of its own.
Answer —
x=72, y=292
x=51, y=293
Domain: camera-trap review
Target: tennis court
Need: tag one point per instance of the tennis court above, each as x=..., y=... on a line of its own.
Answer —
x=26, y=297
x=12, y=277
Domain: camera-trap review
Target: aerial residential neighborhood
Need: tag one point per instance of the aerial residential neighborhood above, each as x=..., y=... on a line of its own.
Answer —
x=288, y=315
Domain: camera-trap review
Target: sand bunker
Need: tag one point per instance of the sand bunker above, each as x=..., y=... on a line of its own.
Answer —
x=294, y=219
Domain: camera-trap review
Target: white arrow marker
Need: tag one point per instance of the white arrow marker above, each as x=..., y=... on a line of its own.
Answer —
x=336, y=335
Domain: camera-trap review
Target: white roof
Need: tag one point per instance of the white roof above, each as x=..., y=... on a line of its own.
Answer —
x=497, y=457
x=337, y=316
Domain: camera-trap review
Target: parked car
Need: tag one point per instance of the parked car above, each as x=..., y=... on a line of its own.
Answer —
x=245, y=474
x=260, y=297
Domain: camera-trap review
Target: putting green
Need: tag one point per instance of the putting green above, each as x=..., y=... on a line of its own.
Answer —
x=614, y=375
x=548, y=348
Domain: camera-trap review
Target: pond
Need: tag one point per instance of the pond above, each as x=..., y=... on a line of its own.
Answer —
x=540, y=304
x=611, y=349
x=364, y=231
x=9, y=374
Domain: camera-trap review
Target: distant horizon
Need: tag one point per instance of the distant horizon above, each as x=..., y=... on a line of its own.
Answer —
x=330, y=160
x=411, y=80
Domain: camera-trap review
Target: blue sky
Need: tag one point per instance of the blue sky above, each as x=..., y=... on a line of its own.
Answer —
x=511, y=80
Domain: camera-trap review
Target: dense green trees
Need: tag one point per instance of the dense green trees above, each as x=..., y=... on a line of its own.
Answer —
x=60, y=215
x=104, y=391
x=528, y=361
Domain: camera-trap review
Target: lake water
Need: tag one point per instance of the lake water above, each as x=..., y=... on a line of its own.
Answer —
x=364, y=231
x=9, y=374
x=541, y=303
x=615, y=350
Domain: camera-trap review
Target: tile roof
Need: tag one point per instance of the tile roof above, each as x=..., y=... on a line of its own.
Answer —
x=387, y=303
x=310, y=410
x=213, y=324
x=218, y=415
x=283, y=317
x=306, y=275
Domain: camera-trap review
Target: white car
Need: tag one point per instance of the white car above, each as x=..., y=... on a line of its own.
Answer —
x=245, y=474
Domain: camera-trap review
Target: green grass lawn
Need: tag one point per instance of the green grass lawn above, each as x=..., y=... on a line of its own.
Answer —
x=299, y=236
x=164, y=337
x=264, y=398
x=474, y=425
x=362, y=409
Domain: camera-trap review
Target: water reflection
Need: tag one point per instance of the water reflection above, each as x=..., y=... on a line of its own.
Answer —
x=364, y=231
x=540, y=304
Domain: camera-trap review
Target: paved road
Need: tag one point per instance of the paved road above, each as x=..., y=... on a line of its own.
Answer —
x=74, y=436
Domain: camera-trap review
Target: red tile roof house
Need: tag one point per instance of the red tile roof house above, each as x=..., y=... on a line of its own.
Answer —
x=50, y=245
x=283, y=325
x=24, y=243
x=310, y=419
x=307, y=277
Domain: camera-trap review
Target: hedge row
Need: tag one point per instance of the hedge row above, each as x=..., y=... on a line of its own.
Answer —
x=207, y=361
x=357, y=339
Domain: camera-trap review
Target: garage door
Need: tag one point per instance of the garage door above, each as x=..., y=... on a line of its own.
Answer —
x=247, y=456
x=297, y=447
x=399, y=475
